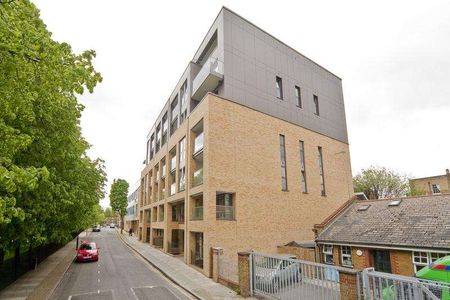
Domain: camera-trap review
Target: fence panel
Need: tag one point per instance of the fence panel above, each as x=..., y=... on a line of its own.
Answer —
x=279, y=277
x=385, y=286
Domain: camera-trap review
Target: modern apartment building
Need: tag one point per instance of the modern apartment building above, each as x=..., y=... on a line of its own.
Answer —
x=131, y=218
x=249, y=151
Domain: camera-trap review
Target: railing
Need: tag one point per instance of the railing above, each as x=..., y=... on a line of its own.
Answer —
x=163, y=173
x=381, y=286
x=161, y=217
x=198, y=143
x=281, y=277
x=162, y=194
x=198, y=177
x=174, y=248
x=212, y=65
x=173, y=188
x=224, y=212
x=158, y=241
x=197, y=213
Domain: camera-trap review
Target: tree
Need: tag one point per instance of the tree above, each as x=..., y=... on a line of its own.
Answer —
x=415, y=191
x=118, y=198
x=47, y=182
x=380, y=182
x=108, y=212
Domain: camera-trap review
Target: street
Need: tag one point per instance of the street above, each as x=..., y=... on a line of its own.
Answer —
x=118, y=274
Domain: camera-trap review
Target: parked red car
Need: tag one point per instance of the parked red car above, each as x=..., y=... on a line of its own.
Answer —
x=88, y=251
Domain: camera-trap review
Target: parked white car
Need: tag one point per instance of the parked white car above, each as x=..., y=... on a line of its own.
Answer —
x=276, y=273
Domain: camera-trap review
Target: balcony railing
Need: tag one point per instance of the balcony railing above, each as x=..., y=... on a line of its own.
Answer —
x=197, y=213
x=208, y=78
x=173, y=189
x=161, y=217
x=198, y=143
x=198, y=177
x=163, y=173
x=196, y=259
x=162, y=194
x=224, y=212
x=175, y=248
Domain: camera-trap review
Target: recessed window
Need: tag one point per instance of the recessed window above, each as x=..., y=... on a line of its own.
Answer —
x=298, y=96
x=302, y=167
x=346, y=256
x=283, y=163
x=224, y=206
x=316, y=105
x=279, y=87
x=322, y=176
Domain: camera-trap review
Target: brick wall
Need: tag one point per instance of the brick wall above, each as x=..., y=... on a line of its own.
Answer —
x=307, y=254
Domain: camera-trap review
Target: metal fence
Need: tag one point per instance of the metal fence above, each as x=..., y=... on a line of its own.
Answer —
x=385, y=286
x=281, y=277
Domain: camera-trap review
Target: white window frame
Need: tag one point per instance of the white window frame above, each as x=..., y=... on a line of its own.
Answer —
x=327, y=249
x=346, y=255
x=429, y=257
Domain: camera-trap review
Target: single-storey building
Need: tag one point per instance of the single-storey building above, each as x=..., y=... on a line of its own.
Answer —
x=398, y=236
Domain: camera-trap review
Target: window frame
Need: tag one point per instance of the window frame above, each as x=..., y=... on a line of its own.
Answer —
x=279, y=87
x=346, y=255
x=321, y=172
x=303, y=182
x=284, y=181
x=428, y=257
x=316, y=105
x=327, y=253
x=298, y=96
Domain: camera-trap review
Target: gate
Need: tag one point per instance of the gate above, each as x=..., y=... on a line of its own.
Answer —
x=281, y=277
x=385, y=286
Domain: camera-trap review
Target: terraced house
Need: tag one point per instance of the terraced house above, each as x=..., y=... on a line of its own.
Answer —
x=249, y=151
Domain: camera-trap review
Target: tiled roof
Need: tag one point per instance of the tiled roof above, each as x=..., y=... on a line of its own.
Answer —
x=418, y=222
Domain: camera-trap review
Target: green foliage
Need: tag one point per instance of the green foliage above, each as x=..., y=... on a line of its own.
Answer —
x=380, y=182
x=118, y=197
x=108, y=212
x=415, y=191
x=48, y=185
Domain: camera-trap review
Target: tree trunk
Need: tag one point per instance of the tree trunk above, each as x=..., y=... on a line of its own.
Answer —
x=121, y=224
x=2, y=257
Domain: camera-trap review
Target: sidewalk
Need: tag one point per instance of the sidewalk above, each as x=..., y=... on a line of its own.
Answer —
x=189, y=279
x=40, y=283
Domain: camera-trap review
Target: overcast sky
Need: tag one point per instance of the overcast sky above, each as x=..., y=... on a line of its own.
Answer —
x=393, y=58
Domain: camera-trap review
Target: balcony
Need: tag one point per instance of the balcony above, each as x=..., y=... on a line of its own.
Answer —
x=197, y=213
x=198, y=143
x=163, y=172
x=198, y=178
x=158, y=241
x=207, y=79
x=224, y=212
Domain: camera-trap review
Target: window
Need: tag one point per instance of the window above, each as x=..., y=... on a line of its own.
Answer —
x=316, y=105
x=298, y=96
x=436, y=189
x=322, y=177
x=183, y=94
x=182, y=162
x=279, y=86
x=283, y=164
x=346, y=256
x=302, y=168
x=224, y=206
x=363, y=207
x=152, y=145
x=327, y=251
x=422, y=259
x=164, y=129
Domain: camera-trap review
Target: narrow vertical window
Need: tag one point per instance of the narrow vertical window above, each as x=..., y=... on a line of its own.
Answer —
x=279, y=86
x=302, y=167
x=322, y=177
x=182, y=165
x=298, y=96
x=283, y=163
x=316, y=105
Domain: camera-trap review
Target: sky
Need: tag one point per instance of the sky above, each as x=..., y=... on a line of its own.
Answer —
x=393, y=58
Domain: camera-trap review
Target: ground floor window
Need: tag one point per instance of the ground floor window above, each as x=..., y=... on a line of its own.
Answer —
x=422, y=258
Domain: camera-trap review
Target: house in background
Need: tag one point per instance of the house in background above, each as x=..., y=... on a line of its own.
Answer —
x=131, y=218
x=432, y=185
x=398, y=236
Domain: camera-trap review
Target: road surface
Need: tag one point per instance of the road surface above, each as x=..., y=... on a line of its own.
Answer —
x=119, y=274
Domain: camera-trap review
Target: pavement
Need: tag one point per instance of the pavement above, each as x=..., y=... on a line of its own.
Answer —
x=118, y=274
x=39, y=283
x=197, y=284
